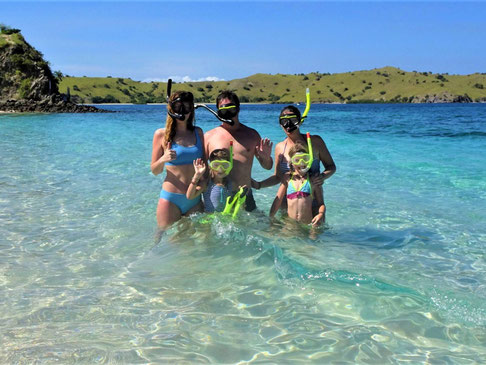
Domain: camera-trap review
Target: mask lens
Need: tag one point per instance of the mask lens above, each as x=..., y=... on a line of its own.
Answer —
x=188, y=106
x=177, y=106
x=219, y=165
x=227, y=111
x=289, y=121
x=180, y=106
x=300, y=159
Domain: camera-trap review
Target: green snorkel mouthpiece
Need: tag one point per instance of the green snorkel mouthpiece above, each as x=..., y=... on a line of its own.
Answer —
x=234, y=203
x=307, y=105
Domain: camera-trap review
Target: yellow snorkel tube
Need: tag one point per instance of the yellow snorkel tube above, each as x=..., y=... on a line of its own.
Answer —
x=309, y=147
x=307, y=105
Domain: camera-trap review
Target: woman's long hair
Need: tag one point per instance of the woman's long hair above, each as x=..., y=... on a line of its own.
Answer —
x=170, y=123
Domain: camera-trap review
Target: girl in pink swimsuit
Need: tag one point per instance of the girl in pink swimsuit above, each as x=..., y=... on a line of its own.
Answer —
x=299, y=191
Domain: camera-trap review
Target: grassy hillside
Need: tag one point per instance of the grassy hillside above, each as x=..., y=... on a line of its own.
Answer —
x=388, y=84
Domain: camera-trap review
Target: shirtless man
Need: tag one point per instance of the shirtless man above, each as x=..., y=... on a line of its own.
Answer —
x=247, y=144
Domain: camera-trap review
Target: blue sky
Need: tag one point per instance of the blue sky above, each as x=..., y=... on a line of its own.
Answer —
x=227, y=40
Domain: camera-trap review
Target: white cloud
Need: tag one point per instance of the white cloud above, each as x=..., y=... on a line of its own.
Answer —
x=182, y=79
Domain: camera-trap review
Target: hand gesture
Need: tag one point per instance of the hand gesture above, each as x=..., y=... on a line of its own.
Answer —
x=317, y=180
x=169, y=154
x=317, y=220
x=199, y=167
x=264, y=149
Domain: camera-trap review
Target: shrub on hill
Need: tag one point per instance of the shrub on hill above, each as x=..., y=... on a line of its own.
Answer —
x=107, y=99
x=5, y=29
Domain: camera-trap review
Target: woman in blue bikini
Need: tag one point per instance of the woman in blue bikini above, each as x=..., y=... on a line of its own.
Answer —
x=290, y=120
x=175, y=147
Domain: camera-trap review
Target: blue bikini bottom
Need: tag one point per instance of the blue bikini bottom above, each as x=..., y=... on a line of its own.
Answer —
x=180, y=200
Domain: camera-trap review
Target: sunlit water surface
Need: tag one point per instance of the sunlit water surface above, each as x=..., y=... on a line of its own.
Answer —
x=398, y=273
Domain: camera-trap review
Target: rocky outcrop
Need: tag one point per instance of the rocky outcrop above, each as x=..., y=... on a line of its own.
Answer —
x=27, y=83
x=442, y=98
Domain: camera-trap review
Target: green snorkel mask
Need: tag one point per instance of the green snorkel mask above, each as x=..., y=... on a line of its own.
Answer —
x=223, y=165
x=300, y=159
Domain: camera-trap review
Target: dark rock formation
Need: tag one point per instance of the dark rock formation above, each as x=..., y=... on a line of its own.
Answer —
x=442, y=98
x=27, y=83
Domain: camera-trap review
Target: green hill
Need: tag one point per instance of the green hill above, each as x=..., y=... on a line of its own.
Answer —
x=387, y=84
x=27, y=83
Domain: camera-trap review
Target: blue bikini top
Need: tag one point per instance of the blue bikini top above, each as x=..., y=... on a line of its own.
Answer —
x=186, y=155
x=304, y=190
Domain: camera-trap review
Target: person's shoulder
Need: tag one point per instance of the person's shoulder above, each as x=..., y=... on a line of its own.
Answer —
x=159, y=133
x=280, y=144
x=250, y=131
x=199, y=130
x=317, y=140
x=212, y=131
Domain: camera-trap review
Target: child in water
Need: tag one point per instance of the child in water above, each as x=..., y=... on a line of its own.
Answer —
x=299, y=191
x=218, y=187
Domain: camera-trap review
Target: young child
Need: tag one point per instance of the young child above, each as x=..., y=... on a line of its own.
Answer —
x=298, y=189
x=218, y=187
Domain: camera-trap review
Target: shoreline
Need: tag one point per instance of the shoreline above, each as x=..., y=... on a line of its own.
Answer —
x=334, y=103
x=3, y=112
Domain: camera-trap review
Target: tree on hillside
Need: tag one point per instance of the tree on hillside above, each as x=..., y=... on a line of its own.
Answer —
x=5, y=29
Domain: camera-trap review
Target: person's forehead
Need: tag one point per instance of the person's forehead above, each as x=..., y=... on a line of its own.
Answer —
x=225, y=101
x=288, y=112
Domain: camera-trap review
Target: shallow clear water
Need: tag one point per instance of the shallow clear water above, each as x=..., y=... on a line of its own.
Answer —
x=397, y=275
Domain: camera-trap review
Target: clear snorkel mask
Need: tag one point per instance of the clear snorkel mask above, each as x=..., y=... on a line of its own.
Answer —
x=223, y=165
x=304, y=159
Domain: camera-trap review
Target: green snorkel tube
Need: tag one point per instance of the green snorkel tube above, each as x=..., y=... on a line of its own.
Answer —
x=234, y=203
x=304, y=115
x=307, y=105
x=311, y=152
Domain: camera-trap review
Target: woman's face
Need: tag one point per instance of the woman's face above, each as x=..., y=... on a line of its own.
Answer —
x=183, y=106
x=289, y=124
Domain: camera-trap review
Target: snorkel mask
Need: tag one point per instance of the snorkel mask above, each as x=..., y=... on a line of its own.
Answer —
x=223, y=165
x=181, y=106
x=290, y=122
x=227, y=111
x=300, y=159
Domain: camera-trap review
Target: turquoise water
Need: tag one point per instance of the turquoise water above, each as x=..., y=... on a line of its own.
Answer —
x=397, y=275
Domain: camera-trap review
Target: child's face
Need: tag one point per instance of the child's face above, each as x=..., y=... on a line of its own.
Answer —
x=301, y=169
x=220, y=168
x=300, y=162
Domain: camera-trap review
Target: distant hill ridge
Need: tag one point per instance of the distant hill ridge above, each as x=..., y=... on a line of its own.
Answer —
x=381, y=85
x=27, y=83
